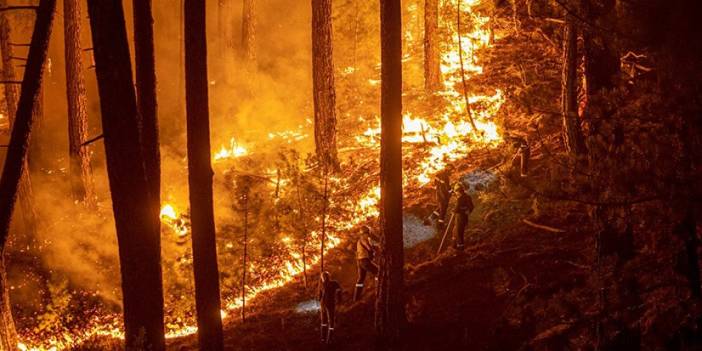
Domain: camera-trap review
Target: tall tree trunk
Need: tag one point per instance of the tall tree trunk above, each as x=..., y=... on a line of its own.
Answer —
x=207, y=299
x=26, y=195
x=323, y=83
x=248, y=31
x=572, y=134
x=80, y=172
x=146, y=101
x=36, y=153
x=16, y=159
x=432, y=52
x=390, y=306
x=138, y=237
x=601, y=58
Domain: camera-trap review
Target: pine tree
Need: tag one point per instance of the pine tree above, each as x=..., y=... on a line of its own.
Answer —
x=137, y=235
x=146, y=100
x=248, y=31
x=80, y=172
x=432, y=52
x=207, y=299
x=25, y=193
x=572, y=133
x=323, y=83
x=16, y=159
x=390, y=308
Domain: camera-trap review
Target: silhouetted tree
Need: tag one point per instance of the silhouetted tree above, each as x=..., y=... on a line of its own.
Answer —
x=80, y=172
x=207, y=299
x=390, y=307
x=572, y=134
x=323, y=83
x=146, y=100
x=601, y=57
x=137, y=235
x=16, y=159
x=432, y=52
x=26, y=195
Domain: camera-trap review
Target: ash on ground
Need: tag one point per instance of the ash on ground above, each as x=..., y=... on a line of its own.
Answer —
x=478, y=180
x=415, y=231
x=309, y=306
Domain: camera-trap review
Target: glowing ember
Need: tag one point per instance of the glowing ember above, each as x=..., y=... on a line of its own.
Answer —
x=178, y=223
x=233, y=151
x=431, y=142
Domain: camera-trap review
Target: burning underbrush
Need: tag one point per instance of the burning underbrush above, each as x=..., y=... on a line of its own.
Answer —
x=275, y=207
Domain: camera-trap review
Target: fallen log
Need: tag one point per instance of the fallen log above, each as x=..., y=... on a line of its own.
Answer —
x=541, y=226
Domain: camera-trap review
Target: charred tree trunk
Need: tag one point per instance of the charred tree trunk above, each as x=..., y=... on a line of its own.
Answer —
x=572, y=134
x=687, y=230
x=146, y=100
x=390, y=317
x=25, y=193
x=323, y=83
x=15, y=161
x=207, y=299
x=244, y=260
x=432, y=52
x=601, y=58
x=248, y=31
x=138, y=237
x=325, y=208
x=80, y=172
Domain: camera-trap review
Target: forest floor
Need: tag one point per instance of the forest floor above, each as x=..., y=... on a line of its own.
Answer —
x=515, y=287
x=457, y=300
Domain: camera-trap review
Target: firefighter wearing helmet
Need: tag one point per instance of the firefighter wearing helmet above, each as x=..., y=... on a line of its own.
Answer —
x=464, y=206
x=365, y=252
x=329, y=296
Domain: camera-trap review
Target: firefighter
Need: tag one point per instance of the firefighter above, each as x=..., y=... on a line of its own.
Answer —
x=442, y=183
x=524, y=154
x=521, y=145
x=365, y=252
x=464, y=206
x=329, y=296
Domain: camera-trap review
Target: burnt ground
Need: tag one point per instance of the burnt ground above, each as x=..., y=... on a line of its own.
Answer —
x=515, y=287
x=493, y=296
x=456, y=301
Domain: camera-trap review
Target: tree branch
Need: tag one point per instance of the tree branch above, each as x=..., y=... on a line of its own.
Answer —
x=90, y=141
x=12, y=8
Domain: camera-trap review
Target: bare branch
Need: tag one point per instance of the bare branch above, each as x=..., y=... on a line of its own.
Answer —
x=541, y=226
x=90, y=141
x=12, y=8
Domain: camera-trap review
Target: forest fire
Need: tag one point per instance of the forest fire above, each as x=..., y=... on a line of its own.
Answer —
x=175, y=221
x=487, y=174
x=233, y=151
x=464, y=122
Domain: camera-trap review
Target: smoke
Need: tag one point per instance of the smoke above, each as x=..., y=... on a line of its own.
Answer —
x=248, y=100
